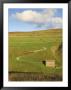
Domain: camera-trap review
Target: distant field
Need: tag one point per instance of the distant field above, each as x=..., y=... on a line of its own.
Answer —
x=27, y=50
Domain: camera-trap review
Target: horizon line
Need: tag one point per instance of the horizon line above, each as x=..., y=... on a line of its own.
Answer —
x=37, y=30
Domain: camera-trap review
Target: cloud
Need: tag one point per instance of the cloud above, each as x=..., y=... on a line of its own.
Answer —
x=49, y=12
x=30, y=16
x=47, y=16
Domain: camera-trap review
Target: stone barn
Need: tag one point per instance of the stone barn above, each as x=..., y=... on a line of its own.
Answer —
x=49, y=63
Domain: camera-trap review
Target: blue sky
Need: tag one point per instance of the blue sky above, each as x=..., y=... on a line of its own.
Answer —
x=24, y=20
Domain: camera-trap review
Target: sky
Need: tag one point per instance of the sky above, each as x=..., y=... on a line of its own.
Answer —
x=27, y=20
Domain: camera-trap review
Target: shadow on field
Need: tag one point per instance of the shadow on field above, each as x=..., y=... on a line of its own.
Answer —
x=33, y=76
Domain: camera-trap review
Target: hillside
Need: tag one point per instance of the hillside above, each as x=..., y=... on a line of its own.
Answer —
x=27, y=50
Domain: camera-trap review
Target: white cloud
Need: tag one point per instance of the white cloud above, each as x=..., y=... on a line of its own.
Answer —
x=30, y=16
x=47, y=16
x=49, y=12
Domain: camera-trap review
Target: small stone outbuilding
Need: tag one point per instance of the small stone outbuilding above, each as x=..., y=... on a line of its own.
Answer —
x=49, y=63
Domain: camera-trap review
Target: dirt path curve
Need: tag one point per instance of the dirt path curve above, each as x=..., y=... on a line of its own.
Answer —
x=35, y=51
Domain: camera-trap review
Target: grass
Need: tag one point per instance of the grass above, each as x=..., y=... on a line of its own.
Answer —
x=22, y=45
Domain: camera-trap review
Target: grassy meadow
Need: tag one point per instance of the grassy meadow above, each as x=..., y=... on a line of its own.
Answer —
x=27, y=50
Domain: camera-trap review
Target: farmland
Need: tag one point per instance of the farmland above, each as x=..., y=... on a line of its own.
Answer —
x=27, y=50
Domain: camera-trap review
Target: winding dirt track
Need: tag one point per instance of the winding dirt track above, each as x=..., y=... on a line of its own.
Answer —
x=35, y=51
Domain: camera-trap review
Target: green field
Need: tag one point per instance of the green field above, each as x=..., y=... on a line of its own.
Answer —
x=27, y=50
